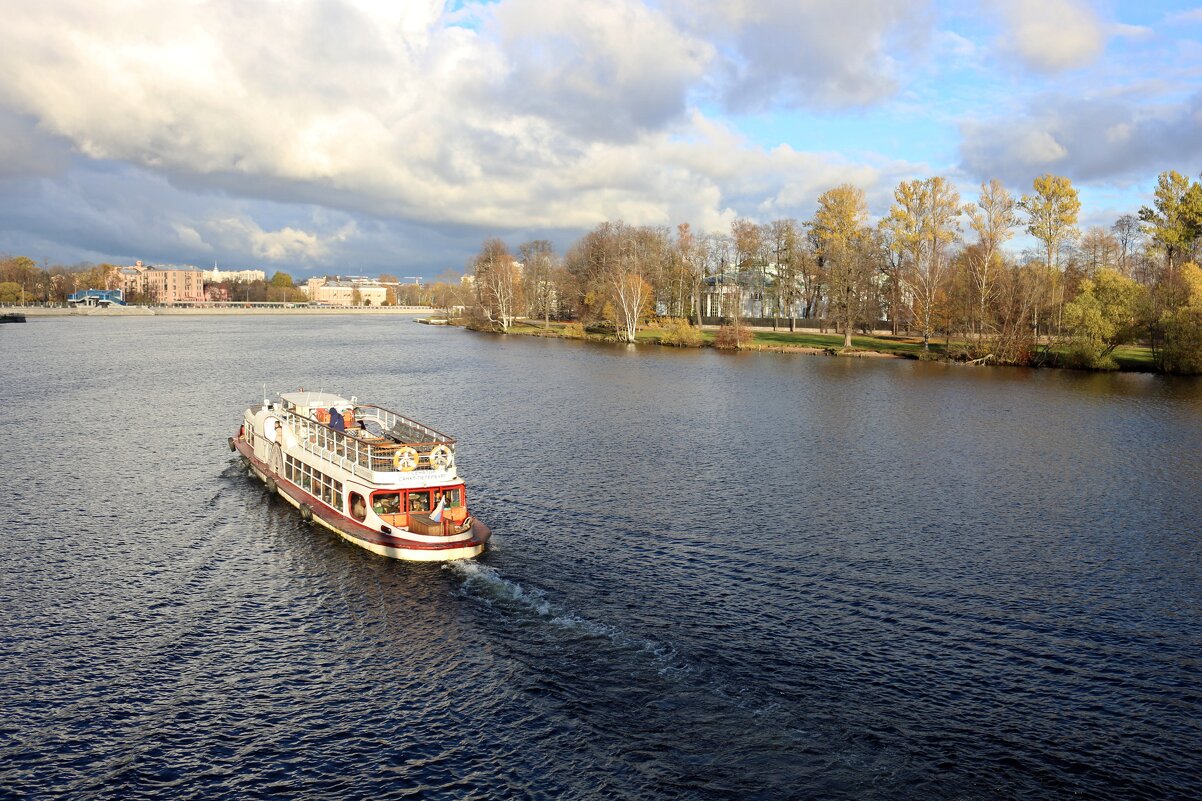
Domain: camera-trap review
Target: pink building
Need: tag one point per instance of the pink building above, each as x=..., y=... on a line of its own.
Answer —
x=169, y=284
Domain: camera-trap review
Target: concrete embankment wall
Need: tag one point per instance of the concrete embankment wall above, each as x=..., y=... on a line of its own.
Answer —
x=143, y=311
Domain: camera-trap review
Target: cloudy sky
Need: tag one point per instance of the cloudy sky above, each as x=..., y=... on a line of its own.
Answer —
x=362, y=136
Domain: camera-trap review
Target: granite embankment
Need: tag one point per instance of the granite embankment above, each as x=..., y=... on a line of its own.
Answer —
x=142, y=311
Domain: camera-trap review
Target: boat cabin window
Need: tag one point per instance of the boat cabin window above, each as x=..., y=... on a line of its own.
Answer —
x=358, y=506
x=386, y=503
x=419, y=501
x=453, y=497
x=313, y=481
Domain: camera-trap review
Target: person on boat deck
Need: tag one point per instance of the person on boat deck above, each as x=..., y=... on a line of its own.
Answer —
x=359, y=508
x=336, y=421
x=277, y=453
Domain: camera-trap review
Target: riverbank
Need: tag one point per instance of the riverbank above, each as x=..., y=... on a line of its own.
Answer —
x=878, y=345
x=204, y=311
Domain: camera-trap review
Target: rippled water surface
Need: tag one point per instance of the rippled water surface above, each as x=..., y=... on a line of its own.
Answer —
x=714, y=576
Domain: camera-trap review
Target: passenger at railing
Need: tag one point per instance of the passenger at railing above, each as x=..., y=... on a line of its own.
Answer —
x=336, y=420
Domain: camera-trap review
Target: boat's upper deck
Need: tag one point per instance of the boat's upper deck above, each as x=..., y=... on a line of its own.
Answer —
x=363, y=437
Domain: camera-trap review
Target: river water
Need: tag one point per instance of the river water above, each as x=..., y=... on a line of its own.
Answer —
x=714, y=576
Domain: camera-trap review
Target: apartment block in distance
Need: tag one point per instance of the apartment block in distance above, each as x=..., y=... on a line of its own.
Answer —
x=166, y=284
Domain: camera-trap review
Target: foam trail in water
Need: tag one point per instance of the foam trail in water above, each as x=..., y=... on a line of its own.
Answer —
x=484, y=583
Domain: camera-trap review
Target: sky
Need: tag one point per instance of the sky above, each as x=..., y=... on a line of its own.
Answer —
x=365, y=137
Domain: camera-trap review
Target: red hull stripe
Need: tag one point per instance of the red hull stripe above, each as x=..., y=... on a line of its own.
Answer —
x=353, y=528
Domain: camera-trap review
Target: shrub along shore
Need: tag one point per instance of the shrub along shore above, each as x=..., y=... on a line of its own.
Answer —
x=673, y=333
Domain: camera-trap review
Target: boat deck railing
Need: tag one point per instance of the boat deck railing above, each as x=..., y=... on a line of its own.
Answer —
x=409, y=444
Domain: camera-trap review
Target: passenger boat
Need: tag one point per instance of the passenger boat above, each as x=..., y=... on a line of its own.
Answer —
x=374, y=477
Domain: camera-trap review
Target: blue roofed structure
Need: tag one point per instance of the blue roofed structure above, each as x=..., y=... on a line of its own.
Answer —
x=97, y=297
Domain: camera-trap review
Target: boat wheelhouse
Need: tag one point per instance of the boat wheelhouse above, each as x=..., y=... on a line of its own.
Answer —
x=374, y=477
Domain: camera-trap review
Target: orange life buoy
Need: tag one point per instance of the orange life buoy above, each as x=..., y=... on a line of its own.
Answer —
x=441, y=457
x=405, y=459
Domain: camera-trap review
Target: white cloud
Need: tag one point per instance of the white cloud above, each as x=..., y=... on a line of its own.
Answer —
x=600, y=70
x=288, y=245
x=1052, y=35
x=537, y=116
x=1190, y=16
x=190, y=238
x=818, y=54
x=421, y=123
x=1139, y=32
x=1097, y=139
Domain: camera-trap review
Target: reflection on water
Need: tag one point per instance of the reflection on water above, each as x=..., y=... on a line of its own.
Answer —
x=714, y=576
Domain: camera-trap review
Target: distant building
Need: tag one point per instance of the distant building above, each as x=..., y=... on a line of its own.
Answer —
x=166, y=284
x=215, y=276
x=340, y=291
x=96, y=297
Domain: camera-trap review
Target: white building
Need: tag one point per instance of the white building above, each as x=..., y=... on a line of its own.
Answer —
x=339, y=291
x=216, y=276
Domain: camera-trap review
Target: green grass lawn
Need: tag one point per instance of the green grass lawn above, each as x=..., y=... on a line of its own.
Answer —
x=1135, y=358
x=901, y=346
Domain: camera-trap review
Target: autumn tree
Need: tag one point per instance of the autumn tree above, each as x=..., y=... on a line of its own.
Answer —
x=748, y=241
x=498, y=285
x=1108, y=311
x=993, y=218
x=924, y=224
x=638, y=250
x=1052, y=210
x=1174, y=221
x=689, y=256
x=1181, y=351
x=839, y=231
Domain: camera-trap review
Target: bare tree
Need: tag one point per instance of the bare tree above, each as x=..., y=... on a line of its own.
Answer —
x=498, y=284
x=1127, y=230
x=538, y=265
x=1099, y=249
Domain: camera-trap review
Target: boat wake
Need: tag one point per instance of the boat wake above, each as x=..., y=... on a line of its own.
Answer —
x=486, y=585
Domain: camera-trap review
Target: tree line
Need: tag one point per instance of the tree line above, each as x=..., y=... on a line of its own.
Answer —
x=934, y=267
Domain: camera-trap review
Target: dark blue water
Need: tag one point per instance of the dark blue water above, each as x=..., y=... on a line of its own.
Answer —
x=714, y=576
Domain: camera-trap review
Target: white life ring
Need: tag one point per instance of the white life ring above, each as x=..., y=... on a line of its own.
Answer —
x=405, y=460
x=442, y=457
